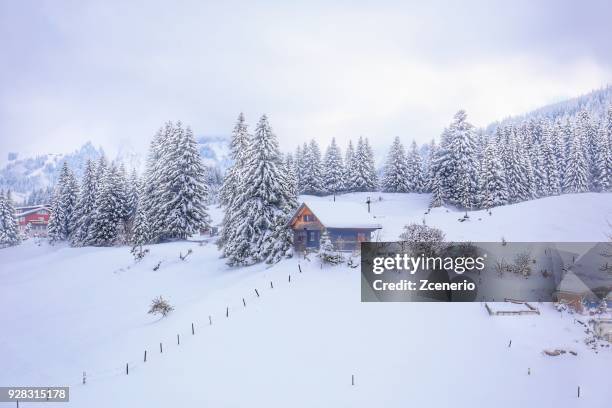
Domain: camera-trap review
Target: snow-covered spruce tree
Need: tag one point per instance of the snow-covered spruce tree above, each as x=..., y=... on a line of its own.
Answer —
x=132, y=191
x=494, y=191
x=150, y=199
x=550, y=163
x=600, y=171
x=263, y=205
x=9, y=232
x=291, y=175
x=576, y=170
x=140, y=230
x=238, y=145
x=63, y=209
x=457, y=162
x=85, y=208
x=184, y=191
x=312, y=170
x=585, y=127
x=519, y=174
x=327, y=253
x=430, y=168
x=414, y=167
x=105, y=229
x=333, y=169
x=362, y=172
x=395, y=177
x=557, y=145
x=297, y=165
x=348, y=166
x=232, y=183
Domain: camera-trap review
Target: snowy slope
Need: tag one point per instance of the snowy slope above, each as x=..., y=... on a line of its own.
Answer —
x=84, y=309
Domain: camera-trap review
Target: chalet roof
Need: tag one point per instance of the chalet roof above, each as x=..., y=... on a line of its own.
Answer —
x=573, y=284
x=20, y=212
x=340, y=214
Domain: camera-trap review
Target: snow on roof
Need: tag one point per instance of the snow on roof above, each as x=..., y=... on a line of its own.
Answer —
x=573, y=284
x=342, y=214
x=20, y=212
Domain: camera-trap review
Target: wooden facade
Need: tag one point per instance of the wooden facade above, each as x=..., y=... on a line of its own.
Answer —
x=308, y=227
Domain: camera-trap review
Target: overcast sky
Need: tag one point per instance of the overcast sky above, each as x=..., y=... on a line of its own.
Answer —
x=113, y=72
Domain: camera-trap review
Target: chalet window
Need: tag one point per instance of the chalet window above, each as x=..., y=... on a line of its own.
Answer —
x=311, y=236
x=361, y=236
x=308, y=217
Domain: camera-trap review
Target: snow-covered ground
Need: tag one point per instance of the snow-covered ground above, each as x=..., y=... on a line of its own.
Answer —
x=68, y=310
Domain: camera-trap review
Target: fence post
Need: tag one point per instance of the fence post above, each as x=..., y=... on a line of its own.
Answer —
x=127, y=369
x=178, y=340
x=271, y=285
x=578, y=391
x=84, y=377
x=243, y=302
x=192, y=329
x=227, y=311
x=161, y=348
x=145, y=356
x=256, y=292
x=300, y=268
x=210, y=319
x=289, y=278
x=352, y=379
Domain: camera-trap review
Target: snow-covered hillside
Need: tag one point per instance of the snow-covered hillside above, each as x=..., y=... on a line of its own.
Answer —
x=69, y=310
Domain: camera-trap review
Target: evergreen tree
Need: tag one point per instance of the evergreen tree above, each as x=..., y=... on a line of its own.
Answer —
x=184, y=191
x=414, y=169
x=312, y=170
x=63, y=209
x=457, y=162
x=363, y=174
x=140, y=231
x=264, y=204
x=9, y=231
x=86, y=205
x=110, y=205
x=576, y=172
x=494, y=190
x=233, y=182
x=333, y=169
x=549, y=162
x=601, y=153
x=348, y=166
x=395, y=178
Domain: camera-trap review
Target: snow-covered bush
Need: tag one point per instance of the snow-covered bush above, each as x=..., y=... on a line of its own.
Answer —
x=327, y=253
x=160, y=306
x=423, y=239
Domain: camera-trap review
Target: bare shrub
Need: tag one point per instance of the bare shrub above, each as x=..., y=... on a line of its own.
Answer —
x=160, y=306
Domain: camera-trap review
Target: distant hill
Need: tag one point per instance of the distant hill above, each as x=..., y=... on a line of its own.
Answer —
x=595, y=102
x=24, y=175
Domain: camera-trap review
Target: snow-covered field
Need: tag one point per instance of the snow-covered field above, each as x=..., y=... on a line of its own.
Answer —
x=68, y=310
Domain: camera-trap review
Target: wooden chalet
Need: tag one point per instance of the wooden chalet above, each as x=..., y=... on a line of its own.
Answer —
x=33, y=219
x=347, y=224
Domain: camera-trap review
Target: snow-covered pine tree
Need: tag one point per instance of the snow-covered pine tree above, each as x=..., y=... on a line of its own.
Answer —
x=140, y=230
x=63, y=209
x=312, y=170
x=333, y=169
x=291, y=176
x=539, y=172
x=327, y=253
x=362, y=172
x=232, y=184
x=150, y=199
x=457, y=162
x=414, y=167
x=9, y=232
x=585, y=127
x=132, y=191
x=85, y=208
x=549, y=159
x=184, y=186
x=395, y=177
x=348, y=166
x=576, y=171
x=516, y=167
x=263, y=205
x=297, y=163
x=430, y=170
x=109, y=213
x=599, y=169
x=494, y=191
x=557, y=145
x=238, y=145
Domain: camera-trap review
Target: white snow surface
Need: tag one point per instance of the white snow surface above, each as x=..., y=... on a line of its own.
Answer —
x=68, y=310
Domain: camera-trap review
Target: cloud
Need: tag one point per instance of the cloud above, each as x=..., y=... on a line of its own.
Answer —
x=114, y=72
